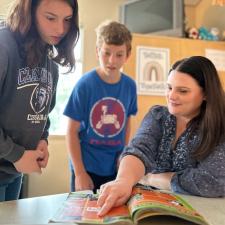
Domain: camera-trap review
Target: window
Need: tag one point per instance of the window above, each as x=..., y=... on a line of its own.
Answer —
x=64, y=88
x=2, y=21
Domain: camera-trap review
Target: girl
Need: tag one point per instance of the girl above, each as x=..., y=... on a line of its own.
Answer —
x=38, y=35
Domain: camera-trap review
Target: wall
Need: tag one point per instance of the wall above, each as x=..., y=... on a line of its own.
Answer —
x=178, y=48
x=55, y=178
x=4, y=6
x=209, y=15
x=92, y=14
x=205, y=14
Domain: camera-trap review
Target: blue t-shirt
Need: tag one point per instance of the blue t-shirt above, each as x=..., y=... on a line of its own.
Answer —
x=102, y=109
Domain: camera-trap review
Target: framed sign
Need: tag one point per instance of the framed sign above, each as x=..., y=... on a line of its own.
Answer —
x=151, y=70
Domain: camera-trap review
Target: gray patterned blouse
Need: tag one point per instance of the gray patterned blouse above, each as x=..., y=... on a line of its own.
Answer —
x=153, y=144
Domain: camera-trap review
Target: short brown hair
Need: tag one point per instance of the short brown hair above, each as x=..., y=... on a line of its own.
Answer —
x=112, y=32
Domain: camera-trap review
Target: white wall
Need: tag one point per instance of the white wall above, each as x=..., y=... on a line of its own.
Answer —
x=91, y=13
x=4, y=5
x=55, y=178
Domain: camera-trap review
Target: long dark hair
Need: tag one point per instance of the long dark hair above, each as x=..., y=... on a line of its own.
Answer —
x=22, y=22
x=210, y=122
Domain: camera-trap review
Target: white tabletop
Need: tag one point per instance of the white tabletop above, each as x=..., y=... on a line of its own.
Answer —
x=40, y=209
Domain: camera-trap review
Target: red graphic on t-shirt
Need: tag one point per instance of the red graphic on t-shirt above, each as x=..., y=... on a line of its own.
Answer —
x=107, y=117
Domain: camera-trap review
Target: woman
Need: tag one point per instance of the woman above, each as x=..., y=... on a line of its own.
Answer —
x=39, y=34
x=181, y=146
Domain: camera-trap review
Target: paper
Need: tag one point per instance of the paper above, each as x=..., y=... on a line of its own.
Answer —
x=217, y=57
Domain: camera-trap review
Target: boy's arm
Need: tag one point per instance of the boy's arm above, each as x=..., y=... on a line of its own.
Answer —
x=128, y=131
x=82, y=180
x=127, y=136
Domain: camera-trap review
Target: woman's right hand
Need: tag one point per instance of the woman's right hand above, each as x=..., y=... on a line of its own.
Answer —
x=113, y=194
x=83, y=182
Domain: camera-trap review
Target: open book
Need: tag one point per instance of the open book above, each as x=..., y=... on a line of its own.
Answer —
x=144, y=202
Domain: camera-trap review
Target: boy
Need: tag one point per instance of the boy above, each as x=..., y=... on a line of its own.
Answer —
x=99, y=111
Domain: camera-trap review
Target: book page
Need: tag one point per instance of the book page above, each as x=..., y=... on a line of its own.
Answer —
x=82, y=208
x=146, y=202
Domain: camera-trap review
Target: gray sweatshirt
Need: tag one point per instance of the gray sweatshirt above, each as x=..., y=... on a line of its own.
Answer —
x=26, y=98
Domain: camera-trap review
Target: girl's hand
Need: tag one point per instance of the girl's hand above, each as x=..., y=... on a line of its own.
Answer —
x=28, y=163
x=43, y=147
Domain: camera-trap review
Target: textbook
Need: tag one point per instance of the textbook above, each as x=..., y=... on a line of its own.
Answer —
x=144, y=202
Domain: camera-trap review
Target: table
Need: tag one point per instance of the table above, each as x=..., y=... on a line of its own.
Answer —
x=39, y=210
x=36, y=210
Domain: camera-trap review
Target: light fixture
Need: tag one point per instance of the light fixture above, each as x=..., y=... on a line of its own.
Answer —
x=218, y=2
